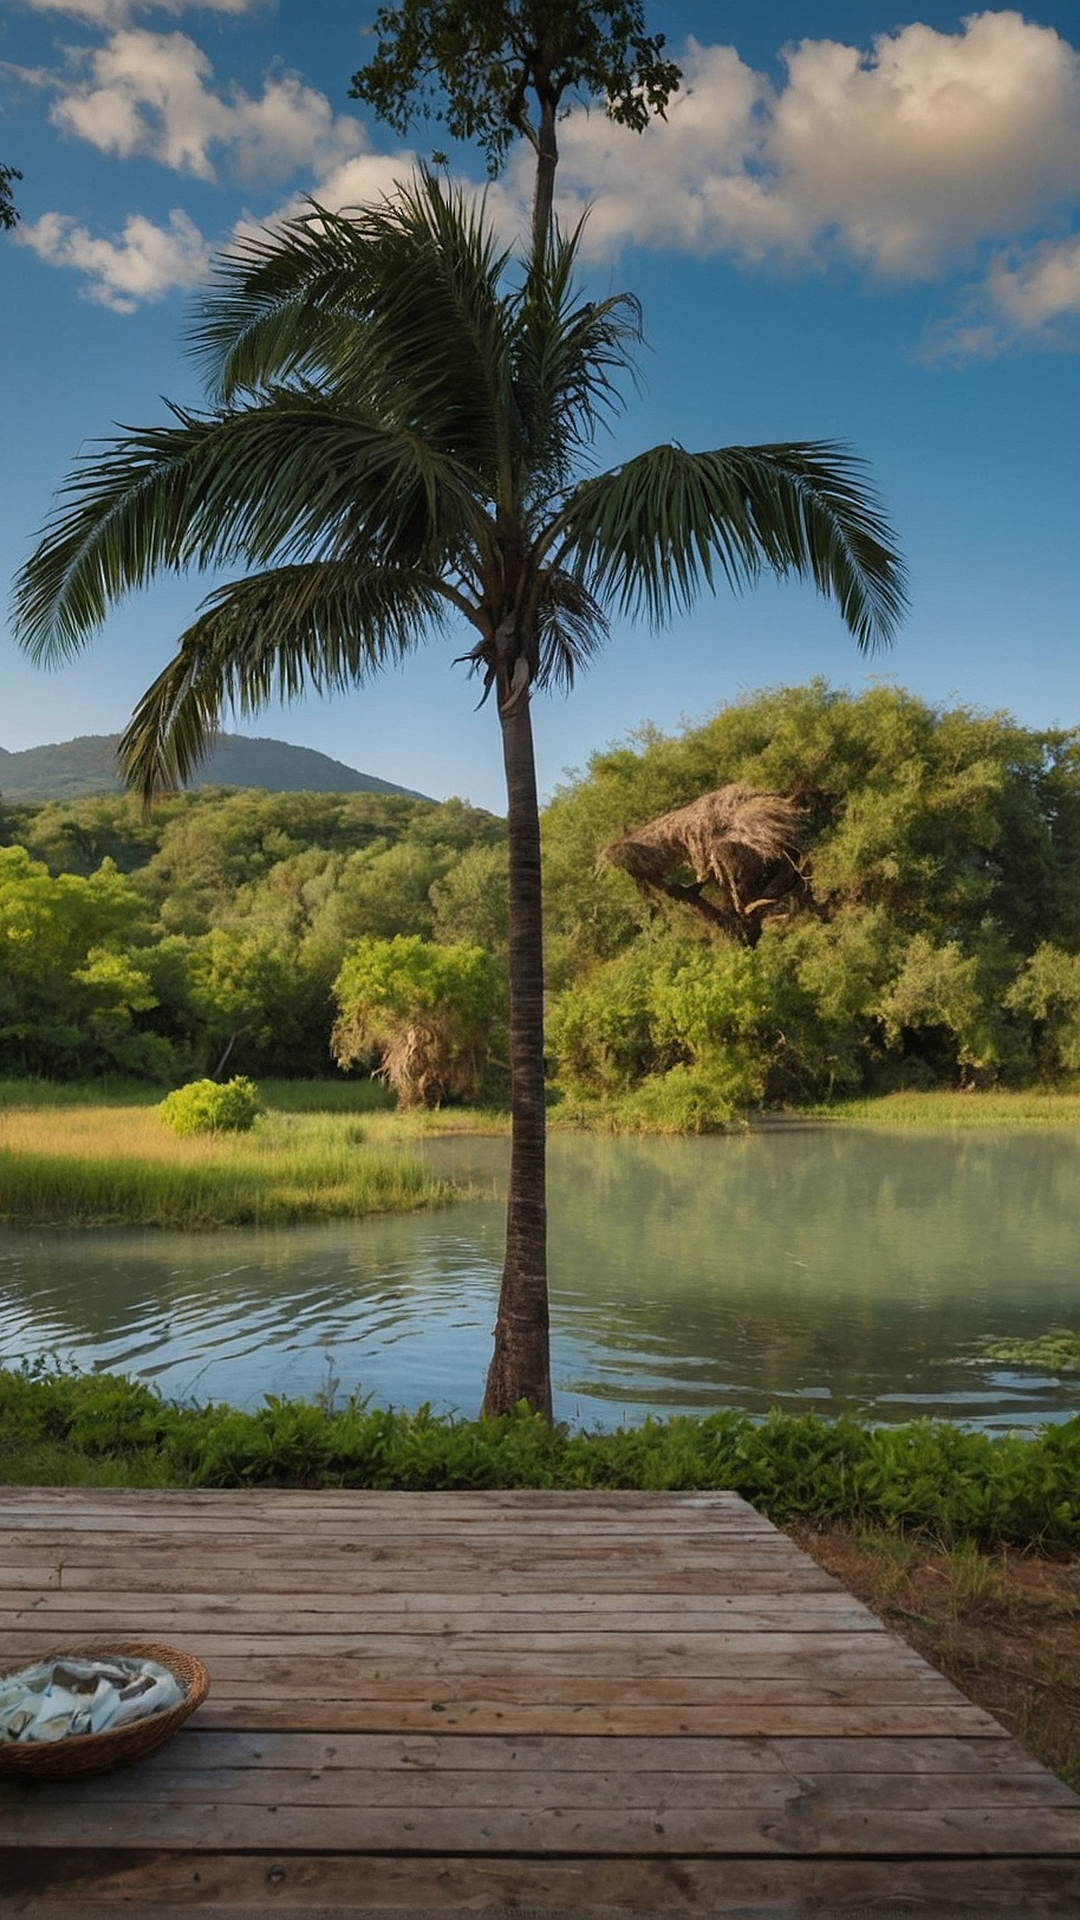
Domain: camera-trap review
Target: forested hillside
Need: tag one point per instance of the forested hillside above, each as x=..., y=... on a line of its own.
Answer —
x=211, y=934
x=73, y=769
x=933, y=936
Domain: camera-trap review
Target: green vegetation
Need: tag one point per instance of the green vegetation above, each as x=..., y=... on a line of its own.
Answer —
x=956, y=1485
x=927, y=974
x=494, y=71
x=1038, y=1106
x=930, y=940
x=1055, y=1352
x=211, y=1106
x=83, y=1165
x=162, y=949
x=423, y=1014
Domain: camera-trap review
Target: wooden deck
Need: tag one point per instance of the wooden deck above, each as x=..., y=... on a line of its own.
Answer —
x=508, y=1700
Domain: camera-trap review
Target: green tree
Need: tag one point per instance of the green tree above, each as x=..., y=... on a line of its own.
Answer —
x=397, y=435
x=68, y=990
x=9, y=212
x=1048, y=989
x=474, y=64
x=423, y=1013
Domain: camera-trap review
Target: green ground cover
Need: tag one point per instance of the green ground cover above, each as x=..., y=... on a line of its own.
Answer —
x=104, y=1430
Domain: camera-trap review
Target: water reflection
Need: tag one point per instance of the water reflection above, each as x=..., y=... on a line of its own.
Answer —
x=814, y=1268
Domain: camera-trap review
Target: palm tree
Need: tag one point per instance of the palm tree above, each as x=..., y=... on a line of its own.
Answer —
x=399, y=437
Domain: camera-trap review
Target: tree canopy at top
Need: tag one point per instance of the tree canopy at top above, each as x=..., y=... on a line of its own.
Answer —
x=9, y=212
x=473, y=64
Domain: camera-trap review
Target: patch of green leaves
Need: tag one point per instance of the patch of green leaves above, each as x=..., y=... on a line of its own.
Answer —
x=929, y=1477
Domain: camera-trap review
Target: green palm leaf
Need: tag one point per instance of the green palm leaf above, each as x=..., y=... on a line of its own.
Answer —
x=318, y=627
x=292, y=478
x=398, y=308
x=651, y=533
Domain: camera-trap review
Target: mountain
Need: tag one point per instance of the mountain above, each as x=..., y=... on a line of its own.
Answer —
x=74, y=768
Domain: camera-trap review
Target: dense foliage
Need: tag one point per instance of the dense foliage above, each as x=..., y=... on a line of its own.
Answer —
x=936, y=1477
x=421, y=1013
x=209, y=935
x=212, y=1106
x=936, y=940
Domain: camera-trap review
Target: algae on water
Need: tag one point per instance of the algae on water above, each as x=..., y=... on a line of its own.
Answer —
x=1055, y=1352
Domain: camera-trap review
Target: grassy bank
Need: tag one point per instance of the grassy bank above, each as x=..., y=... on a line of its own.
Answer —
x=93, y=1165
x=930, y=1478
x=1032, y=1106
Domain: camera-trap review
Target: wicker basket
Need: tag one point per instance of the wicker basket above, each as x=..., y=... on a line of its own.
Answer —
x=86, y=1753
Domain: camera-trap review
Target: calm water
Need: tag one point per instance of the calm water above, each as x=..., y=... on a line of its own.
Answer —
x=801, y=1268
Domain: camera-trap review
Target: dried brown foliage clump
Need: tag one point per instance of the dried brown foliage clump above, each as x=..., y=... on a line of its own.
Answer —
x=427, y=1063
x=741, y=846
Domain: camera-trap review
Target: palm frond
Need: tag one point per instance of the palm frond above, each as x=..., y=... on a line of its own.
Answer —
x=568, y=358
x=396, y=308
x=572, y=628
x=318, y=627
x=291, y=478
x=650, y=534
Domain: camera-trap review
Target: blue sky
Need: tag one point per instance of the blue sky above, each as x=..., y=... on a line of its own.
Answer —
x=856, y=224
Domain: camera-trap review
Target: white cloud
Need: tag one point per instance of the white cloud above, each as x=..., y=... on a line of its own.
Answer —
x=152, y=94
x=929, y=153
x=1029, y=297
x=144, y=263
x=1039, y=289
x=904, y=160
x=113, y=13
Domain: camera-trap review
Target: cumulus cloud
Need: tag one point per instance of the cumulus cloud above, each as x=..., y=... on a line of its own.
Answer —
x=153, y=94
x=1028, y=297
x=927, y=154
x=145, y=262
x=904, y=159
x=113, y=13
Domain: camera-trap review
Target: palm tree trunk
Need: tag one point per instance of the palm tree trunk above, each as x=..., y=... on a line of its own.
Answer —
x=520, y=1366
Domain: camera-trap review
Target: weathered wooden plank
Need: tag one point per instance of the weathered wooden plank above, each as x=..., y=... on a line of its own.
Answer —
x=350, y=1580
x=807, y=1827
x=660, y=1505
x=795, y=1613
x=573, y=1598
x=582, y=1658
x=269, y=1682
x=306, y=1886
x=463, y=1790
x=846, y=1715
x=332, y=1525
x=350, y=1559
x=202, y=1752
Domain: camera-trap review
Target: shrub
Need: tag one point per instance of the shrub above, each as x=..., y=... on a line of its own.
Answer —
x=206, y=1106
x=924, y=1477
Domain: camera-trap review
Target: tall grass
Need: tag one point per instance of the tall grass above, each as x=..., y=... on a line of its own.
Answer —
x=1031, y=1106
x=96, y=1166
x=32, y=1092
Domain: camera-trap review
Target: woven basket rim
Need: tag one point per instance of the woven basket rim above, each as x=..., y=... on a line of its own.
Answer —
x=91, y=1752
